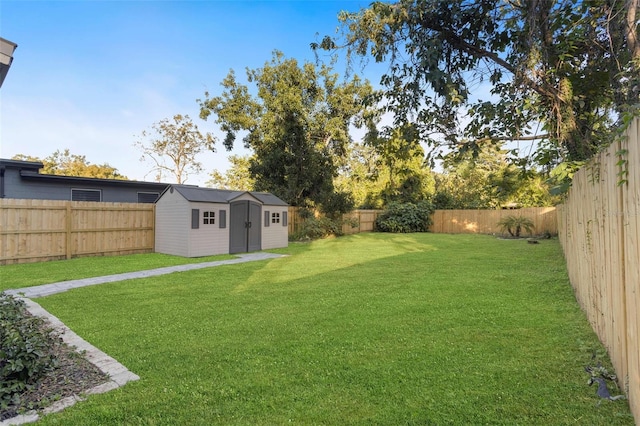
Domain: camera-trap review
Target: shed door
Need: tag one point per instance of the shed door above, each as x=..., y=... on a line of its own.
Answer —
x=245, y=227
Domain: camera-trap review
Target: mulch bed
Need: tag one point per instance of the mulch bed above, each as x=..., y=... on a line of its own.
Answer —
x=73, y=375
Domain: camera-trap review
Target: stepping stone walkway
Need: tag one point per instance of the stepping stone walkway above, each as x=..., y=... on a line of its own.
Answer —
x=119, y=374
x=49, y=289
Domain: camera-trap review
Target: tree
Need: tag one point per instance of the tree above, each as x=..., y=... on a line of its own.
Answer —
x=360, y=176
x=402, y=161
x=297, y=126
x=66, y=164
x=237, y=176
x=173, y=145
x=571, y=66
x=488, y=181
x=385, y=170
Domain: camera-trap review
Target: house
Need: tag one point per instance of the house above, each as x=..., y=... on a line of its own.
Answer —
x=23, y=180
x=6, y=57
x=193, y=221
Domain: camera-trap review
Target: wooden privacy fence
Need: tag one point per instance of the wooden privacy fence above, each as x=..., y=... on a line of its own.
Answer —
x=38, y=230
x=599, y=228
x=355, y=222
x=360, y=221
x=448, y=221
x=486, y=221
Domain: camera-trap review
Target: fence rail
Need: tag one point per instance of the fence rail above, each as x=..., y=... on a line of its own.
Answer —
x=600, y=230
x=39, y=230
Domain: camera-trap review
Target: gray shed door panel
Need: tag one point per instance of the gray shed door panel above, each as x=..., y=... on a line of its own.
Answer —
x=244, y=227
x=255, y=227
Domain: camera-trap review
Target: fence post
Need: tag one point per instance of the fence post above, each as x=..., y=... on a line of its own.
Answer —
x=68, y=224
x=153, y=226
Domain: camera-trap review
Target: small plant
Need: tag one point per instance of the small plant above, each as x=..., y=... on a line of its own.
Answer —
x=515, y=224
x=405, y=217
x=24, y=354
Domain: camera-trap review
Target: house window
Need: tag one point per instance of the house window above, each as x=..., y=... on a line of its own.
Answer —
x=209, y=218
x=275, y=217
x=86, y=195
x=148, y=197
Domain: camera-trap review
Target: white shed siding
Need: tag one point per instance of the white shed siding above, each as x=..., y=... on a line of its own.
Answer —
x=209, y=239
x=276, y=234
x=173, y=217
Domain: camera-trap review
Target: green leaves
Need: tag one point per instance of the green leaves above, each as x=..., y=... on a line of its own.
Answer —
x=515, y=225
x=67, y=164
x=623, y=167
x=561, y=176
x=405, y=217
x=24, y=355
x=559, y=70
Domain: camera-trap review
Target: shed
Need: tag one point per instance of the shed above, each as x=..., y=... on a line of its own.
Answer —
x=193, y=221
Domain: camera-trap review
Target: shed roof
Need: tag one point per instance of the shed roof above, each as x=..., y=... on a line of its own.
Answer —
x=211, y=195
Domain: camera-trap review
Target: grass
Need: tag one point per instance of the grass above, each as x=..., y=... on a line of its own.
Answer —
x=366, y=329
x=32, y=274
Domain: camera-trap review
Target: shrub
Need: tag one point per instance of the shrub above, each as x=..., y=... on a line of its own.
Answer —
x=337, y=204
x=405, y=217
x=24, y=354
x=317, y=227
x=515, y=224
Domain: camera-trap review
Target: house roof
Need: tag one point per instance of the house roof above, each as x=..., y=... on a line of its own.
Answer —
x=21, y=165
x=30, y=175
x=29, y=170
x=6, y=57
x=211, y=195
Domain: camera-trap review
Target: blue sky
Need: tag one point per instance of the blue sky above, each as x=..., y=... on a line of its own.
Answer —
x=92, y=75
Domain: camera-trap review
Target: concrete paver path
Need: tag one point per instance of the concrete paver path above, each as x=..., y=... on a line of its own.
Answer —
x=49, y=289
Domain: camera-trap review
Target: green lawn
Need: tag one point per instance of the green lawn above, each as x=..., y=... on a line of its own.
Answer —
x=366, y=329
x=31, y=274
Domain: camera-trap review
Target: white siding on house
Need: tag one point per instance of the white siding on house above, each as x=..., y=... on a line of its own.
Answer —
x=173, y=218
x=209, y=239
x=276, y=234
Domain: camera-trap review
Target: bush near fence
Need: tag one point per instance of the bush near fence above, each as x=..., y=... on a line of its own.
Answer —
x=600, y=233
x=354, y=222
x=39, y=230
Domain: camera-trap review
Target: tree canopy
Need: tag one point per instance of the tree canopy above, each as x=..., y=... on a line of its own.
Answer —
x=173, y=145
x=557, y=72
x=488, y=181
x=237, y=177
x=297, y=125
x=66, y=164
